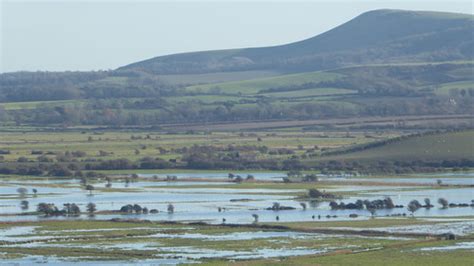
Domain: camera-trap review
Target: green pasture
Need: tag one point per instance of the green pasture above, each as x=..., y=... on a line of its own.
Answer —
x=254, y=86
x=447, y=146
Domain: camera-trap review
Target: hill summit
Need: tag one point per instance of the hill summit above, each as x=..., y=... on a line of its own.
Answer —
x=380, y=36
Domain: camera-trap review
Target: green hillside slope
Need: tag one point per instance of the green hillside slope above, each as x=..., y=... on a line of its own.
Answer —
x=446, y=146
x=373, y=37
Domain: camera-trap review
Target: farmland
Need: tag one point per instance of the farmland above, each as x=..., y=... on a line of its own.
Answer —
x=353, y=147
x=237, y=192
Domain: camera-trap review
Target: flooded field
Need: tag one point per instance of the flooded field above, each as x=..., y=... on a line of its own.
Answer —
x=236, y=203
x=227, y=213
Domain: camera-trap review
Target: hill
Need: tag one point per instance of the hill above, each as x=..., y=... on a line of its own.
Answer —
x=389, y=63
x=431, y=147
x=380, y=36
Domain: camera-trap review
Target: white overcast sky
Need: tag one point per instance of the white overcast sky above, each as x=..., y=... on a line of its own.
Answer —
x=93, y=35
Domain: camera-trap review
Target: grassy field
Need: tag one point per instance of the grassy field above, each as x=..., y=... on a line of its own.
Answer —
x=315, y=92
x=369, y=124
x=135, y=145
x=218, y=77
x=445, y=88
x=254, y=86
x=448, y=146
x=34, y=105
x=393, y=256
x=138, y=241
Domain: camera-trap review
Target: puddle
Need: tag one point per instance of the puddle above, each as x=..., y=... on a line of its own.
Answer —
x=86, y=261
x=19, y=233
x=457, y=228
x=244, y=236
x=461, y=245
x=273, y=176
x=202, y=253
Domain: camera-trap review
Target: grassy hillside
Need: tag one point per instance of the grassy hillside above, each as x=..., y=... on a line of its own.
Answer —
x=453, y=87
x=358, y=91
x=446, y=146
x=373, y=37
x=381, y=63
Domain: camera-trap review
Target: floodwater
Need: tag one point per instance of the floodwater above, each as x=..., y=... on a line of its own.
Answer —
x=267, y=176
x=237, y=205
x=84, y=261
x=421, y=180
x=193, y=202
x=180, y=254
x=458, y=228
x=460, y=245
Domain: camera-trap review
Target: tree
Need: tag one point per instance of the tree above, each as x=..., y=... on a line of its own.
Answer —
x=276, y=206
x=127, y=208
x=170, y=208
x=238, y=179
x=303, y=205
x=22, y=191
x=35, y=191
x=109, y=182
x=372, y=211
x=314, y=193
x=47, y=208
x=137, y=208
x=389, y=203
x=75, y=210
x=67, y=208
x=294, y=173
x=91, y=208
x=428, y=203
x=24, y=205
x=333, y=205
x=90, y=188
x=71, y=209
x=413, y=206
x=255, y=218
x=443, y=202
x=311, y=178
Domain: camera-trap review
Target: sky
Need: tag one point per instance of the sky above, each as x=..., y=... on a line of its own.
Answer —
x=101, y=35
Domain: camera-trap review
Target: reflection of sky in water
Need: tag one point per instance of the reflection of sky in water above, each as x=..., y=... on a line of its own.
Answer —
x=202, y=203
x=28, y=260
x=461, y=245
x=223, y=175
x=420, y=180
